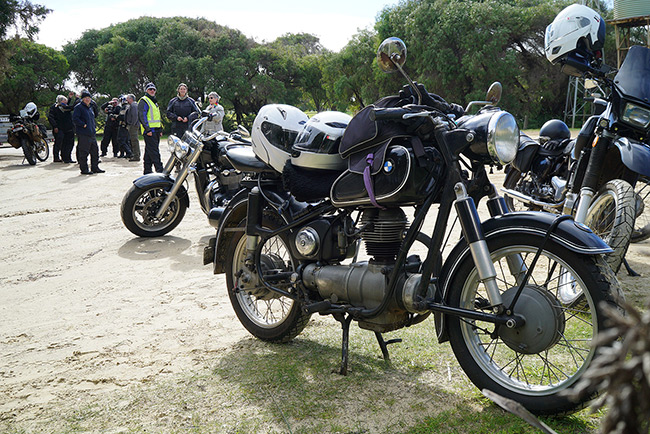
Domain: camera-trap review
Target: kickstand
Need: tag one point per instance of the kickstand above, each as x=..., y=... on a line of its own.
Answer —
x=345, y=325
x=384, y=345
x=630, y=271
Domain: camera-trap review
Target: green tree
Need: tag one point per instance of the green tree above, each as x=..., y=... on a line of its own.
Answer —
x=36, y=73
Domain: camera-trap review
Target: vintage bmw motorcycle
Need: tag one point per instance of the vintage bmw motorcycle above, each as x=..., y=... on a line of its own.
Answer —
x=592, y=177
x=290, y=254
x=156, y=203
x=25, y=133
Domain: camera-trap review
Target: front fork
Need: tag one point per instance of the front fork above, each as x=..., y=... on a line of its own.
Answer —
x=182, y=175
x=592, y=175
x=470, y=224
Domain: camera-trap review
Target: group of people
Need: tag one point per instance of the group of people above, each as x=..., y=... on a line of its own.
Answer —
x=123, y=120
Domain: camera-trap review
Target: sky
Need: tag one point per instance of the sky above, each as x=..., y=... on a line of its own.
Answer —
x=333, y=21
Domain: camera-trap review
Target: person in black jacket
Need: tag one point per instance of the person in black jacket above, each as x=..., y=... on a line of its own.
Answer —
x=83, y=117
x=179, y=110
x=54, y=116
x=112, y=110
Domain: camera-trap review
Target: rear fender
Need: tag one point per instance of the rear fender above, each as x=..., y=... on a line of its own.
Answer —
x=571, y=235
x=634, y=155
x=159, y=179
x=235, y=212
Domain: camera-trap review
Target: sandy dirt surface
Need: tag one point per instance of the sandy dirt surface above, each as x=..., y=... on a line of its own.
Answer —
x=87, y=308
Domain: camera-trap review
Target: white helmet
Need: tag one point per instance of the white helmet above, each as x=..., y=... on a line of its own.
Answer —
x=576, y=27
x=317, y=145
x=274, y=131
x=31, y=109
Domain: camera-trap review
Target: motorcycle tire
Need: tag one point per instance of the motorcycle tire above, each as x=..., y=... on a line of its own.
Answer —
x=266, y=315
x=540, y=363
x=28, y=150
x=139, y=207
x=611, y=216
x=42, y=150
x=641, y=230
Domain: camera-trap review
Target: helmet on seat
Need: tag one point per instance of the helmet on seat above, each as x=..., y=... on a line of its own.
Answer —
x=317, y=145
x=275, y=129
x=555, y=129
x=575, y=30
x=31, y=109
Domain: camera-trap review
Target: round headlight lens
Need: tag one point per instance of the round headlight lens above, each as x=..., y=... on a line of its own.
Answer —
x=503, y=137
x=181, y=149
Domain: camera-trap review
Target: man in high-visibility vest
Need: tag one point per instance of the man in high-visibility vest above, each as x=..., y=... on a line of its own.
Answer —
x=149, y=116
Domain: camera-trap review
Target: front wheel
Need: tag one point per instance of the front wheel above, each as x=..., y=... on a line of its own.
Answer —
x=28, y=150
x=267, y=315
x=538, y=363
x=139, y=208
x=42, y=150
x=611, y=216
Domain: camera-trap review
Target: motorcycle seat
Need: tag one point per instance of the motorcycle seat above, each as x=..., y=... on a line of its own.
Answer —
x=244, y=159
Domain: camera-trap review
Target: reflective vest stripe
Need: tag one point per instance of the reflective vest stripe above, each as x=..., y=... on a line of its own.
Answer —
x=153, y=113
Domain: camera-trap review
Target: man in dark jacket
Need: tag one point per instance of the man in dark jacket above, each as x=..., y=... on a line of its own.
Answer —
x=133, y=127
x=84, y=121
x=61, y=120
x=54, y=117
x=112, y=110
x=179, y=110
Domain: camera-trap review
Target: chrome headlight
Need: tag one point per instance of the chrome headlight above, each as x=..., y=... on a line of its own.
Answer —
x=177, y=147
x=636, y=115
x=502, y=137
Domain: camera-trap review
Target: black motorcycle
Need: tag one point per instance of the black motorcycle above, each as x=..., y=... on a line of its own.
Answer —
x=286, y=254
x=156, y=203
x=27, y=135
x=592, y=177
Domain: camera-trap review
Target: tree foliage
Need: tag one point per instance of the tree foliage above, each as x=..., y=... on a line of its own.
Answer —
x=36, y=73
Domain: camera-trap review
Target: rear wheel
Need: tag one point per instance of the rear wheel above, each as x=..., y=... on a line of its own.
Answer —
x=611, y=217
x=42, y=150
x=267, y=315
x=535, y=364
x=28, y=150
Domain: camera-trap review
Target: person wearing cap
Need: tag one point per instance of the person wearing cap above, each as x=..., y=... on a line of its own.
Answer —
x=180, y=109
x=149, y=116
x=83, y=118
x=215, y=114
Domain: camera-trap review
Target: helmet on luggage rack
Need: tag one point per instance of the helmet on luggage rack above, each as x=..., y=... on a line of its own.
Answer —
x=317, y=145
x=576, y=30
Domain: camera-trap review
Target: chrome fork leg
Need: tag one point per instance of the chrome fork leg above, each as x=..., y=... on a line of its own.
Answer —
x=473, y=233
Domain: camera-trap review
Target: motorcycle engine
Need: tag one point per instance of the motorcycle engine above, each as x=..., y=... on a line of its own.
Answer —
x=365, y=283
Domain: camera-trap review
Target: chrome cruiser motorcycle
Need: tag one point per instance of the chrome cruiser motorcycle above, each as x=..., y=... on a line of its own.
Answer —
x=592, y=177
x=156, y=203
x=290, y=254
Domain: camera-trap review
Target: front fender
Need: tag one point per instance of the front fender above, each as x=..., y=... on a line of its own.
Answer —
x=165, y=181
x=571, y=235
x=635, y=155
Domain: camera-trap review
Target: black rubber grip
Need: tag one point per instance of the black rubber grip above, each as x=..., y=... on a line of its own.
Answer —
x=388, y=114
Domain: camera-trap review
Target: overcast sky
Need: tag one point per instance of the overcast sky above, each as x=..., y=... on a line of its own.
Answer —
x=333, y=21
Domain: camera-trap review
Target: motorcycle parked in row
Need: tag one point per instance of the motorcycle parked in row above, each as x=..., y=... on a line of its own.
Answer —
x=591, y=177
x=25, y=133
x=287, y=242
x=156, y=203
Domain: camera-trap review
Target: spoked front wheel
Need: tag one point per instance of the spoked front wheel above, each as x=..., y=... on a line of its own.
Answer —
x=42, y=150
x=267, y=315
x=536, y=363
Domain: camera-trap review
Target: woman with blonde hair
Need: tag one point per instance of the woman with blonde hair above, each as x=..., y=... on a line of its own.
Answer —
x=216, y=114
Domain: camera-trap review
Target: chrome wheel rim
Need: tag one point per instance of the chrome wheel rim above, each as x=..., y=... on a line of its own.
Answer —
x=147, y=205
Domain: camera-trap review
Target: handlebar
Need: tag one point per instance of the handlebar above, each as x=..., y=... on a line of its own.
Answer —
x=195, y=130
x=388, y=114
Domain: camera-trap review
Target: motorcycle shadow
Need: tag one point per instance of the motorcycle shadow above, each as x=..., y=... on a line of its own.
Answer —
x=153, y=248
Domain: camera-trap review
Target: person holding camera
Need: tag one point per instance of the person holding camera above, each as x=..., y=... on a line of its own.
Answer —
x=112, y=110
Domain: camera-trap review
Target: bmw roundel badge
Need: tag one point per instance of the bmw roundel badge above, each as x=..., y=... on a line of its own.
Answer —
x=388, y=166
